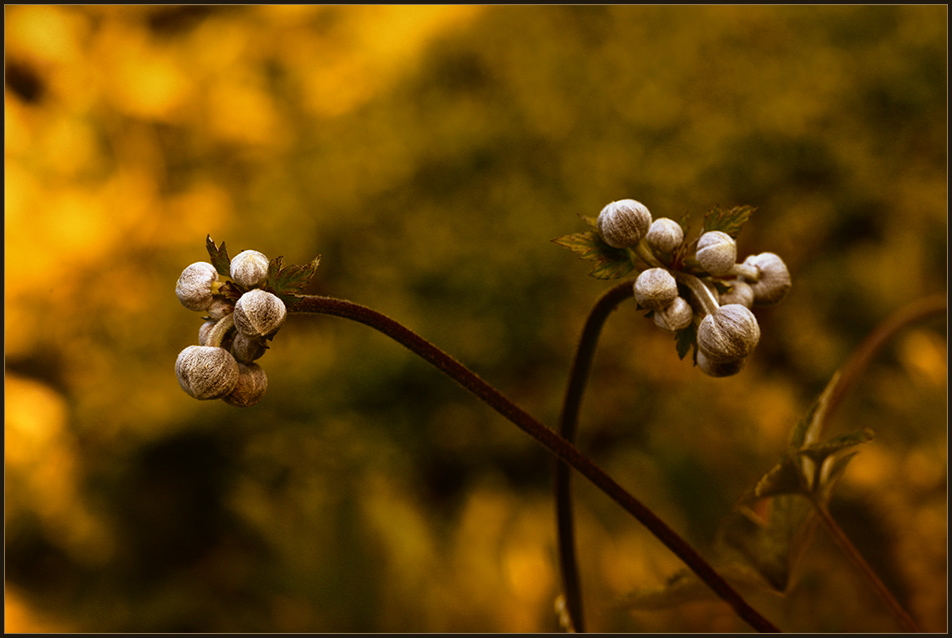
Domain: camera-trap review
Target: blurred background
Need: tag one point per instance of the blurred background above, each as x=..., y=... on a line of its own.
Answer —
x=430, y=154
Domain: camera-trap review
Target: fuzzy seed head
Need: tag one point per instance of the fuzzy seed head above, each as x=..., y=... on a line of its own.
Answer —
x=774, y=282
x=729, y=334
x=259, y=313
x=251, y=386
x=740, y=293
x=624, y=223
x=248, y=349
x=206, y=372
x=655, y=289
x=665, y=234
x=249, y=269
x=205, y=330
x=719, y=369
x=218, y=308
x=716, y=252
x=676, y=317
x=194, y=286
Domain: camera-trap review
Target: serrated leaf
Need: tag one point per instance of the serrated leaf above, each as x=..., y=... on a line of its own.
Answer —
x=612, y=263
x=586, y=245
x=727, y=221
x=219, y=256
x=287, y=281
x=591, y=221
x=685, y=339
x=230, y=292
x=612, y=269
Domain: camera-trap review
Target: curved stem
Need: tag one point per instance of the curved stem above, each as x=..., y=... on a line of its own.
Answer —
x=860, y=563
x=221, y=328
x=568, y=426
x=549, y=439
x=870, y=346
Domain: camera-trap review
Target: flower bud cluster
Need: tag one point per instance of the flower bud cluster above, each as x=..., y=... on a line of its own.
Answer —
x=235, y=332
x=710, y=291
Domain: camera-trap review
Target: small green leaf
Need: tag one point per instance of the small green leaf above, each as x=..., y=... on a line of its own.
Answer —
x=727, y=221
x=287, y=281
x=592, y=222
x=586, y=245
x=612, y=263
x=230, y=291
x=219, y=256
x=685, y=340
x=612, y=269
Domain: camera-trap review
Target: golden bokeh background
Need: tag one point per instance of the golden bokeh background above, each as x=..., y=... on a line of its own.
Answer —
x=429, y=154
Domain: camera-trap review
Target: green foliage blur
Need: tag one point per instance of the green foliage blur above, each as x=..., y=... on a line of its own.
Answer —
x=429, y=155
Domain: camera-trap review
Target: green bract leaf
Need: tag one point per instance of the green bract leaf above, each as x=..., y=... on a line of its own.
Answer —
x=230, y=291
x=591, y=221
x=219, y=256
x=686, y=339
x=727, y=221
x=612, y=263
x=288, y=281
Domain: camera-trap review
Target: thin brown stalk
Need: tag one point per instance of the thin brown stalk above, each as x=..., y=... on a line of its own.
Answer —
x=546, y=437
x=864, y=568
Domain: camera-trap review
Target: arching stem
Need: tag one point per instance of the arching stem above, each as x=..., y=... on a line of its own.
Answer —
x=568, y=427
x=564, y=450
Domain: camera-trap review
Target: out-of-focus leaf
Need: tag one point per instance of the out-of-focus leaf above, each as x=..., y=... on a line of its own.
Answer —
x=727, y=221
x=685, y=587
x=287, y=281
x=820, y=451
x=808, y=470
x=772, y=545
x=612, y=263
x=219, y=256
x=783, y=478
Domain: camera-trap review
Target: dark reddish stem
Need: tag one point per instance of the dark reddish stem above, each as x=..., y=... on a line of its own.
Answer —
x=564, y=450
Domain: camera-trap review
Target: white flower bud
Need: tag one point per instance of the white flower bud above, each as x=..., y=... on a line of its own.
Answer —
x=719, y=369
x=729, y=334
x=716, y=252
x=249, y=268
x=774, y=282
x=218, y=308
x=251, y=386
x=740, y=293
x=624, y=223
x=206, y=372
x=205, y=330
x=677, y=316
x=247, y=349
x=194, y=286
x=259, y=313
x=665, y=234
x=655, y=289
